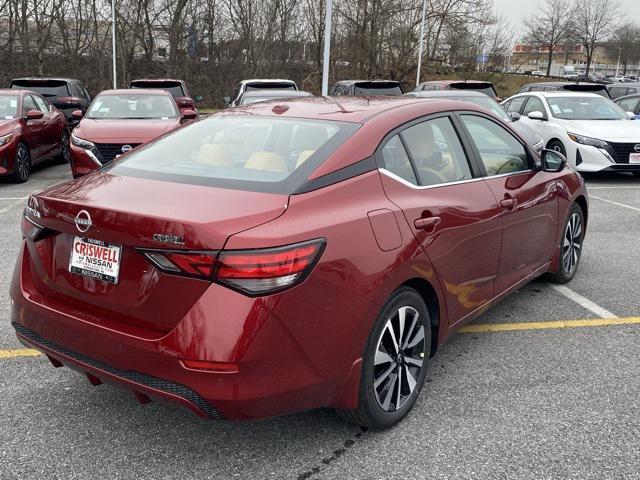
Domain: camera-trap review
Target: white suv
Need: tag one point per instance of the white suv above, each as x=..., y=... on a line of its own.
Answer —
x=591, y=131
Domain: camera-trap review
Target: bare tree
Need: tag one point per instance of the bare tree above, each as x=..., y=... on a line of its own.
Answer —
x=594, y=22
x=549, y=28
x=624, y=45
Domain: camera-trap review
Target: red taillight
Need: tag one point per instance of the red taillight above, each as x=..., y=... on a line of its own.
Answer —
x=193, y=264
x=268, y=270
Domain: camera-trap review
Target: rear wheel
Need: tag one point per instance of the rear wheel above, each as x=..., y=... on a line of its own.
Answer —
x=394, y=363
x=570, y=246
x=21, y=164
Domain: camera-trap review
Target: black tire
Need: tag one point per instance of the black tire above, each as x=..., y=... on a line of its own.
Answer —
x=377, y=405
x=21, y=164
x=570, y=244
x=636, y=174
x=557, y=146
x=65, y=153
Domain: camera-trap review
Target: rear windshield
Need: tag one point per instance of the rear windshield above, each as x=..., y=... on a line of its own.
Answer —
x=174, y=88
x=367, y=89
x=8, y=106
x=47, y=88
x=487, y=89
x=270, y=85
x=132, y=107
x=599, y=89
x=250, y=153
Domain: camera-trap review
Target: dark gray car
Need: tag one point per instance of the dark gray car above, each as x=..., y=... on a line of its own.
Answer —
x=532, y=138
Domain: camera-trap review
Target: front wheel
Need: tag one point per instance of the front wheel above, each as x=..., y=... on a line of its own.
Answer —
x=394, y=363
x=65, y=154
x=557, y=146
x=21, y=164
x=570, y=246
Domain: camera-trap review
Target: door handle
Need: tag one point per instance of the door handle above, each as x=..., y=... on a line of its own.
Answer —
x=426, y=222
x=509, y=203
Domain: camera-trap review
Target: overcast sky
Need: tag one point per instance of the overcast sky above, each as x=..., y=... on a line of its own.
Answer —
x=517, y=10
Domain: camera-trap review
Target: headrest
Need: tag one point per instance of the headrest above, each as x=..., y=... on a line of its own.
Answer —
x=269, y=161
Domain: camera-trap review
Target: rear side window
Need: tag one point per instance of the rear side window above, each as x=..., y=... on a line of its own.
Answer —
x=516, y=105
x=436, y=152
x=397, y=161
x=617, y=92
x=251, y=153
x=499, y=151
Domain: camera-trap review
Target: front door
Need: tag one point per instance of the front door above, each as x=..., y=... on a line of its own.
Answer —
x=527, y=197
x=452, y=213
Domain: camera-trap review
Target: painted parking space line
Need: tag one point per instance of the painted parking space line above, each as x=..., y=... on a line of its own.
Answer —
x=582, y=301
x=556, y=324
x=21, y=352
x=12, y=205
x=13, y=198
x=622, y=187
x=623, y=205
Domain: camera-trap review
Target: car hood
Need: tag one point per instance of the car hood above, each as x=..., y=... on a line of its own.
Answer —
x=526, y=132
x=616, y=130
x=123, y=131
x=6, y=126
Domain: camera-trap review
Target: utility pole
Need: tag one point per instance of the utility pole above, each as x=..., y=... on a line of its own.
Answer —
x=424, y=9
x=113, y=41
x=327, y=48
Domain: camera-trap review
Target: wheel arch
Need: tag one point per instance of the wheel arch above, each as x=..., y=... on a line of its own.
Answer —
x=582, y=203
x=430, y=297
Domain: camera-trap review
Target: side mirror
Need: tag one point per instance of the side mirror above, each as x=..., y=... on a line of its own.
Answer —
x=77, y=114
x=34, y=115
x=553, y=161
x=536, y=115
x=515, y=116
x=189, y=114
x=227, y=100
x=198, y=98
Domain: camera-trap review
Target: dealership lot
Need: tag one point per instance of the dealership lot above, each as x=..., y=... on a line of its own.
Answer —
x=531, y=403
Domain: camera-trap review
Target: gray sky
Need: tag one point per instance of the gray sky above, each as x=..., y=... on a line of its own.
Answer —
x=515, y=11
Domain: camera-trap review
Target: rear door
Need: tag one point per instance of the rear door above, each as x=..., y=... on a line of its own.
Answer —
x=452, y=213
x=528, y=198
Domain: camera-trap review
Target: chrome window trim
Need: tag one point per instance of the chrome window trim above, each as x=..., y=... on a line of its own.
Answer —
x=423, y=187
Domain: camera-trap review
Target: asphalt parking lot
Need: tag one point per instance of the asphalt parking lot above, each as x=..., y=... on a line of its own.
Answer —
x=513, y=396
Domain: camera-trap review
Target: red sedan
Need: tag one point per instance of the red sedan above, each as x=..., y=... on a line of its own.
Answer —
x=31, y=131
x=118, y=121
x=293, y=255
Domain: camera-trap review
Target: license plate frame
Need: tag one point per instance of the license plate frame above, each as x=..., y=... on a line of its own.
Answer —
x=95, y=259
x=634, y=158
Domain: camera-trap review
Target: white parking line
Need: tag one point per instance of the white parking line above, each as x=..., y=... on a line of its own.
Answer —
x=623, y=205
x=583, y=302
x=11, y=205
x=13, y=198
x=614, y=188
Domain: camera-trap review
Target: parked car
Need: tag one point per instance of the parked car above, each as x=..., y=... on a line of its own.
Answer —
x=488, y=103
x=177, y=88
x=253, y=265
x=595, y=78
x=66, y=94
x=630, y=103
x=598, y=88
x=253, y=96
x=591, y=131
x=31, y=131
x=476, y=85
x=617, y=90
x=367, y=88
x=538, y=73
x=118, y=121
x=258, y=84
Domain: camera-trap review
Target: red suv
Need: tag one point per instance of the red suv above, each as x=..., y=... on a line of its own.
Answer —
x=290, y=256
x=31, y=131
x=118, y=121
x=177, y=88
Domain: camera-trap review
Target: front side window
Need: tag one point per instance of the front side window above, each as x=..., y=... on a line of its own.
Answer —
x=132, y=106
x=42, y=105
x=252, y=153
x=500, y=152
x=397, y=161
x=534, y=105
x=9, y=106
x=436, y=152
x=29, y=104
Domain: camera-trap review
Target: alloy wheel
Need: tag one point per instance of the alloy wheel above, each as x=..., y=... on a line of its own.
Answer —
x=572, y=243
x=65, y=154
x=399, y=359
x=22, y=164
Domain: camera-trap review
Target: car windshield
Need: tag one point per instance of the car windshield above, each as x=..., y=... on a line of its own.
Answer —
x=52, y=88
x=8, y=106
x=585, y=108
x=251, y=153
x=138, y=106
x=488, y=103
x=174, y=88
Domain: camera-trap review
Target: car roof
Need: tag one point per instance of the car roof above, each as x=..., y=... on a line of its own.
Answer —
x=136, y=91
x=267, y=80
x=628, y=97
x=14, y=91
x=153, y=80
x=624, y=84
x=450, y=81
x=45, y=79
x=378, y=80
x=563, y=93
x=276, y=92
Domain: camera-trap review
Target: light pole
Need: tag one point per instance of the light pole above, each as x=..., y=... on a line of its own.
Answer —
x=424, y=9
x=618, y=64
x=113, y=41
x=327, y=48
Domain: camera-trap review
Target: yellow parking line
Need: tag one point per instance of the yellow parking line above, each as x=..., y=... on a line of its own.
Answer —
x=22, y=352
x=509, y=327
